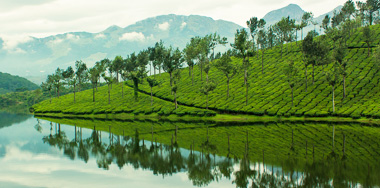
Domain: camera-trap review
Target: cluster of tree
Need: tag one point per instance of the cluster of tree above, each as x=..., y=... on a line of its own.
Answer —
x=200, y=51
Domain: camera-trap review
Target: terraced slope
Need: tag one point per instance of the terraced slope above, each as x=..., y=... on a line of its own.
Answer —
x=85, y=106
x=270, y=94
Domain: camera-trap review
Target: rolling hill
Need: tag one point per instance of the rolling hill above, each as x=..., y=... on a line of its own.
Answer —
x=10, y=83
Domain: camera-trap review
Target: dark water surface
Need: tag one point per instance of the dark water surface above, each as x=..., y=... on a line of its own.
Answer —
x=64, y=153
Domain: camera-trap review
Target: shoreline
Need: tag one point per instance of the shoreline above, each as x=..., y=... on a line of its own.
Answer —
x=219, y=118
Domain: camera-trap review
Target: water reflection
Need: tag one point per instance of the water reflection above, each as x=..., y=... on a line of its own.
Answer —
x=204, y=167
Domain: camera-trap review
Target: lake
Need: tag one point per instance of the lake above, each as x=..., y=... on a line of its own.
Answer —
x=54, y=152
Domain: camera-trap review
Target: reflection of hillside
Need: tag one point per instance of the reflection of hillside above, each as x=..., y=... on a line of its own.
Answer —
x=8, y=119
x=203, y=167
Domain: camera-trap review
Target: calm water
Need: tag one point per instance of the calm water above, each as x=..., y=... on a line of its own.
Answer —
x=64, y=153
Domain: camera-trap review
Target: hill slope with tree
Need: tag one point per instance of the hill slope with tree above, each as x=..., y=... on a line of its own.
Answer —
x=10, y=83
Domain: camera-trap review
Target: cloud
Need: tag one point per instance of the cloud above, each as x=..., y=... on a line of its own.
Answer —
x=100, y=36
x=11, y=43
x=164, y=26
x=70, y=36
x=183, y=25
x=133, y=36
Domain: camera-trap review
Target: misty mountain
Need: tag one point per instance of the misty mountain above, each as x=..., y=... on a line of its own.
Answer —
x=292, y=10
x=40, y=56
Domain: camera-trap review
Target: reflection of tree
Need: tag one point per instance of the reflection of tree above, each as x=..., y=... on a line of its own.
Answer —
x=202, y=169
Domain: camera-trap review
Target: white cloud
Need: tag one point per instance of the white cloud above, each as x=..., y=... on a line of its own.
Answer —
x=70, y=36
x=183, y=25
x=133, y=36
x=11, y=42
x=100, y=36
x=164, y=26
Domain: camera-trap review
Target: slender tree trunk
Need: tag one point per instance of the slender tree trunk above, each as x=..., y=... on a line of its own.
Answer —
x=246, y=94
x=207, y=77
x=189, y=71
x=171, y=81
x=262, y=61
x=97, y=84
x=192, y=75
x=50, y=96
x=333, y=101
x=201, y=66
x=313, y=74
x=175, y=100
x=93, y=93
x=228, y=87
x=109, y=95
x=301, y=33
x=207, y=101
x=306, y=77
x=344, y=86
x=74, y=93
x=296, y=37
x=292, y=96
x=122, y=89
x=154, y=70
x=282, y=45
x=151, y=97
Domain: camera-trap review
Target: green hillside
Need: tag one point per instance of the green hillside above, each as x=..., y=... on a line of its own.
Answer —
x=270, y=94
x=127, y=104
x=10, y=83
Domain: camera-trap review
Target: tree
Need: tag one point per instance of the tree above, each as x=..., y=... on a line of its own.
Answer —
x=262, y=39
x=202, y=50
x=117, y=66
x=339, y=54
x=254, y=25
x=189, y=54
x=326, y=22
x=48, y=85
x=152, y=83
x=367, y=34
x=225, y=65
x=372, y=6
x=158, y=56
x=94, y=75
x=284, y=30
x=348, y=9
x=308, y=50
x=291, y=72
x=206, y=89
x=241, y=45
x=109, y=80
x=57, y=78
x=81, y=73
x=332, y=78
x=215, y=40
x=272, y=38
x=176, y=78
x=136, y=69
x=306, y=18
x=70, y=77
x=172, y=62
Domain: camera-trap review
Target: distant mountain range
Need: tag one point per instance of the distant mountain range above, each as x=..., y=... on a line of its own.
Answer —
x=37, y=57
x=10, y=83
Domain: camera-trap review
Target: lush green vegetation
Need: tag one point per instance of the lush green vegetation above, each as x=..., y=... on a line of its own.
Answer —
x=339, y=149
x=330, y=75
x=10, y=83
x=128, y=104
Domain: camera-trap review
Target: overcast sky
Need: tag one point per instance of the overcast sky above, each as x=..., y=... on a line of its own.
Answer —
x=41, y=18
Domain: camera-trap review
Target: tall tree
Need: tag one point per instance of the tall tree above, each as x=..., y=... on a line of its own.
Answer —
x=109, y=80
x=326, y=22
x=93, y=74
x=368, y=35
x=48, y=85
x=339, y=55
x=332, y=78
x=136, y=69
x=70, y=77
x=81, y=73
x=272, y=38
x=152, y=83
x=158, y=56
x=229, y=69
x=284, y=30
x=176, y=79
x=308, y=52
x=254, y=25
x=189, y=54
x=306, y=18
x=172, y=62
x=57, y=80
x=207, y=88
x=262, y=39
x=291, y=72
x=241, y=45
x=372, y=6
x=117, y=65
x=348, y=9
x=215, y=40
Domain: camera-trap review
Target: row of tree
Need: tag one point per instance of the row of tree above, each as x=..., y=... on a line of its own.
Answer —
x=201, y=51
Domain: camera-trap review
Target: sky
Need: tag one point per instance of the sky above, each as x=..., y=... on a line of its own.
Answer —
x=20, y=19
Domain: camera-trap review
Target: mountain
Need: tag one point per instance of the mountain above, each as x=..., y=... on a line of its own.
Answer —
x=41, y=56
x=10, y=83
x=292, y=10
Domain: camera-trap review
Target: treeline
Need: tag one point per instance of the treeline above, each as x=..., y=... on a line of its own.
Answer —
x=200, y=51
